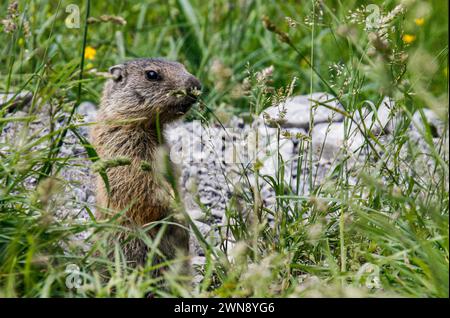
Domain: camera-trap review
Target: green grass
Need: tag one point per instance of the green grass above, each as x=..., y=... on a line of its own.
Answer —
x=391, y=221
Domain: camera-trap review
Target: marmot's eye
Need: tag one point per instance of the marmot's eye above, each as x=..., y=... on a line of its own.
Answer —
x=152, y=76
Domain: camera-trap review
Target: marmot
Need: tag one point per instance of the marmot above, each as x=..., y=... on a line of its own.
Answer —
x=141, y=93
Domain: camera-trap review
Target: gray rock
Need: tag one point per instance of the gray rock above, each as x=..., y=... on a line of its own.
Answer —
x=194, y=246
x=298, y=108
x=192, y=208
x=197, y=279
x=204, y=228
x=328, y=141
x=380, y=120
x=22, y=99
x=198, y=260
x=218, y=212
x=207, y=233
x=270, y=160
x=437, y=126
x=88, y=110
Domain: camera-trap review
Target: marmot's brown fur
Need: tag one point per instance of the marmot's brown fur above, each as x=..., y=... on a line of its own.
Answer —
x=140, y=93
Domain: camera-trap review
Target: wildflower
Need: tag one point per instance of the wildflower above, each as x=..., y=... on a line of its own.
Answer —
x=237, y=91
x=291, y=22
x=275, y=122
x=419, y=21
x=318, y=203
x=89, y=53
x=286, y=134
x=258, y=165
x=314, y=232
x=409, y=38
x=13, y=8
x=10, y=23
x=46, y=189
x=40, y=260
x=302, y=137
x=221, y=73
x=381, y=44
x=218, y=68
x=397, y=192
x=270, y=26
x=239, y=251
x=347, y=31
x=265, y=74
x=382, y=25
x=26, y=28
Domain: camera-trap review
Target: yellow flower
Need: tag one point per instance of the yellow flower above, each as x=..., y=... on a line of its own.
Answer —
x=419, y=21
x=89, y=53
x=409, y=38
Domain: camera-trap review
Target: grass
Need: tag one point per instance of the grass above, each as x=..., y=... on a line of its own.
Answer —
x=378, y=229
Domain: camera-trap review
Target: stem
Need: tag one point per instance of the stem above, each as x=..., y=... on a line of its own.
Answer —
x=311, y=115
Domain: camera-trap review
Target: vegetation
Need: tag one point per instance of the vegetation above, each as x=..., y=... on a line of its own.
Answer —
x=378, y=230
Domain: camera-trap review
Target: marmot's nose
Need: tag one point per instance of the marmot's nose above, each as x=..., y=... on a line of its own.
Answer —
x=193, y=83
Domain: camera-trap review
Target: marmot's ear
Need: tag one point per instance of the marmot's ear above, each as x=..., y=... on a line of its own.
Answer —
x=117, y=72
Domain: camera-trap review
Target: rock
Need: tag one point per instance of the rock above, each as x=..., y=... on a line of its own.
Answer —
x=218, y=212
x=204, y=228
x=88, y=110
x=328, y=141
x=381, y=121
x=206, y=232
x=198, y=260
x=192, y=208
x=436, y=125
x=194, y=246
x=206, y=198
x=228, y=245
x=197, y=279
x=262, y=144
x=298, y=110
x=270, y=159
x=21, y=100
x=197, y=214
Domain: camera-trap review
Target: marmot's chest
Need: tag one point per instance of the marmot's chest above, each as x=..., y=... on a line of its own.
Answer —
x=133, y=185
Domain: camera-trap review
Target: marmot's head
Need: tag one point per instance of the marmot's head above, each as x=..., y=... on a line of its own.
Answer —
x=147, y=88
